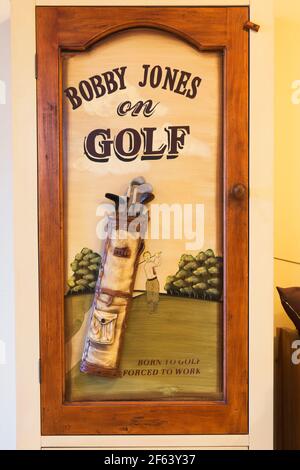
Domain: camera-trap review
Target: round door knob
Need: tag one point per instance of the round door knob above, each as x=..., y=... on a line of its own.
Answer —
x=239, y=191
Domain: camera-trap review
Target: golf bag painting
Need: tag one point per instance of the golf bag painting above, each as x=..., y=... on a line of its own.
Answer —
x=122, y=248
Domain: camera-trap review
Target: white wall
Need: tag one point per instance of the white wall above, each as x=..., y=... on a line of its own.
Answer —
x=287, y=161
x=7, y=340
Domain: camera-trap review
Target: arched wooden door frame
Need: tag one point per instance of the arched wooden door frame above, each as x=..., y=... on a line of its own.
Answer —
x=217, y=28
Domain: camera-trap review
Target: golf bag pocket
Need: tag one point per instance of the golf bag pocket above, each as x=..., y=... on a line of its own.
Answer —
x=103, y=327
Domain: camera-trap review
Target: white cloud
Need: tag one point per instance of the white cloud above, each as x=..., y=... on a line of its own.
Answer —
x=107, y=104
x=193, y=146
x=114, y=166
x=196, y=148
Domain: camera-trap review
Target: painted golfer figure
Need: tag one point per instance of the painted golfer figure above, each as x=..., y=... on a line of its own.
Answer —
x=152, y=284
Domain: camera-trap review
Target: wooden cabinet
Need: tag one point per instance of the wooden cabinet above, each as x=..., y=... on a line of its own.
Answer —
x=71, y=30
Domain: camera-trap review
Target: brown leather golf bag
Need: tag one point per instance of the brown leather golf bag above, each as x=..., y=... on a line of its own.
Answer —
x=122, y=248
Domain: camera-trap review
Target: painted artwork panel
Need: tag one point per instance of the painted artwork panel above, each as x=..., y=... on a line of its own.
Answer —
x=145, y=104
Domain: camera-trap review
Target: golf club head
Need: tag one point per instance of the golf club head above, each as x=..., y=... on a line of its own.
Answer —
x=146, y=197
x=118, y=200
x=138, y=190
x=145, y=188
x=138, y=180
x=135, y=182
x=113, y=197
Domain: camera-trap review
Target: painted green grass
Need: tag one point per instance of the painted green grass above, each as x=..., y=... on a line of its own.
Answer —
x=75, y=308
x=180, y=329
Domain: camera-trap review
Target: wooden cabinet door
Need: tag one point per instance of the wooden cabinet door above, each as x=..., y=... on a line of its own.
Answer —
x=63, y=35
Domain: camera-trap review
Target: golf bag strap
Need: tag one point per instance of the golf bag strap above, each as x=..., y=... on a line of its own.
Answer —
x=115, y=293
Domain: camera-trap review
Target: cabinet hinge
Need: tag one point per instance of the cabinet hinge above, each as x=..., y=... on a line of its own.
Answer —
x=36, y=66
